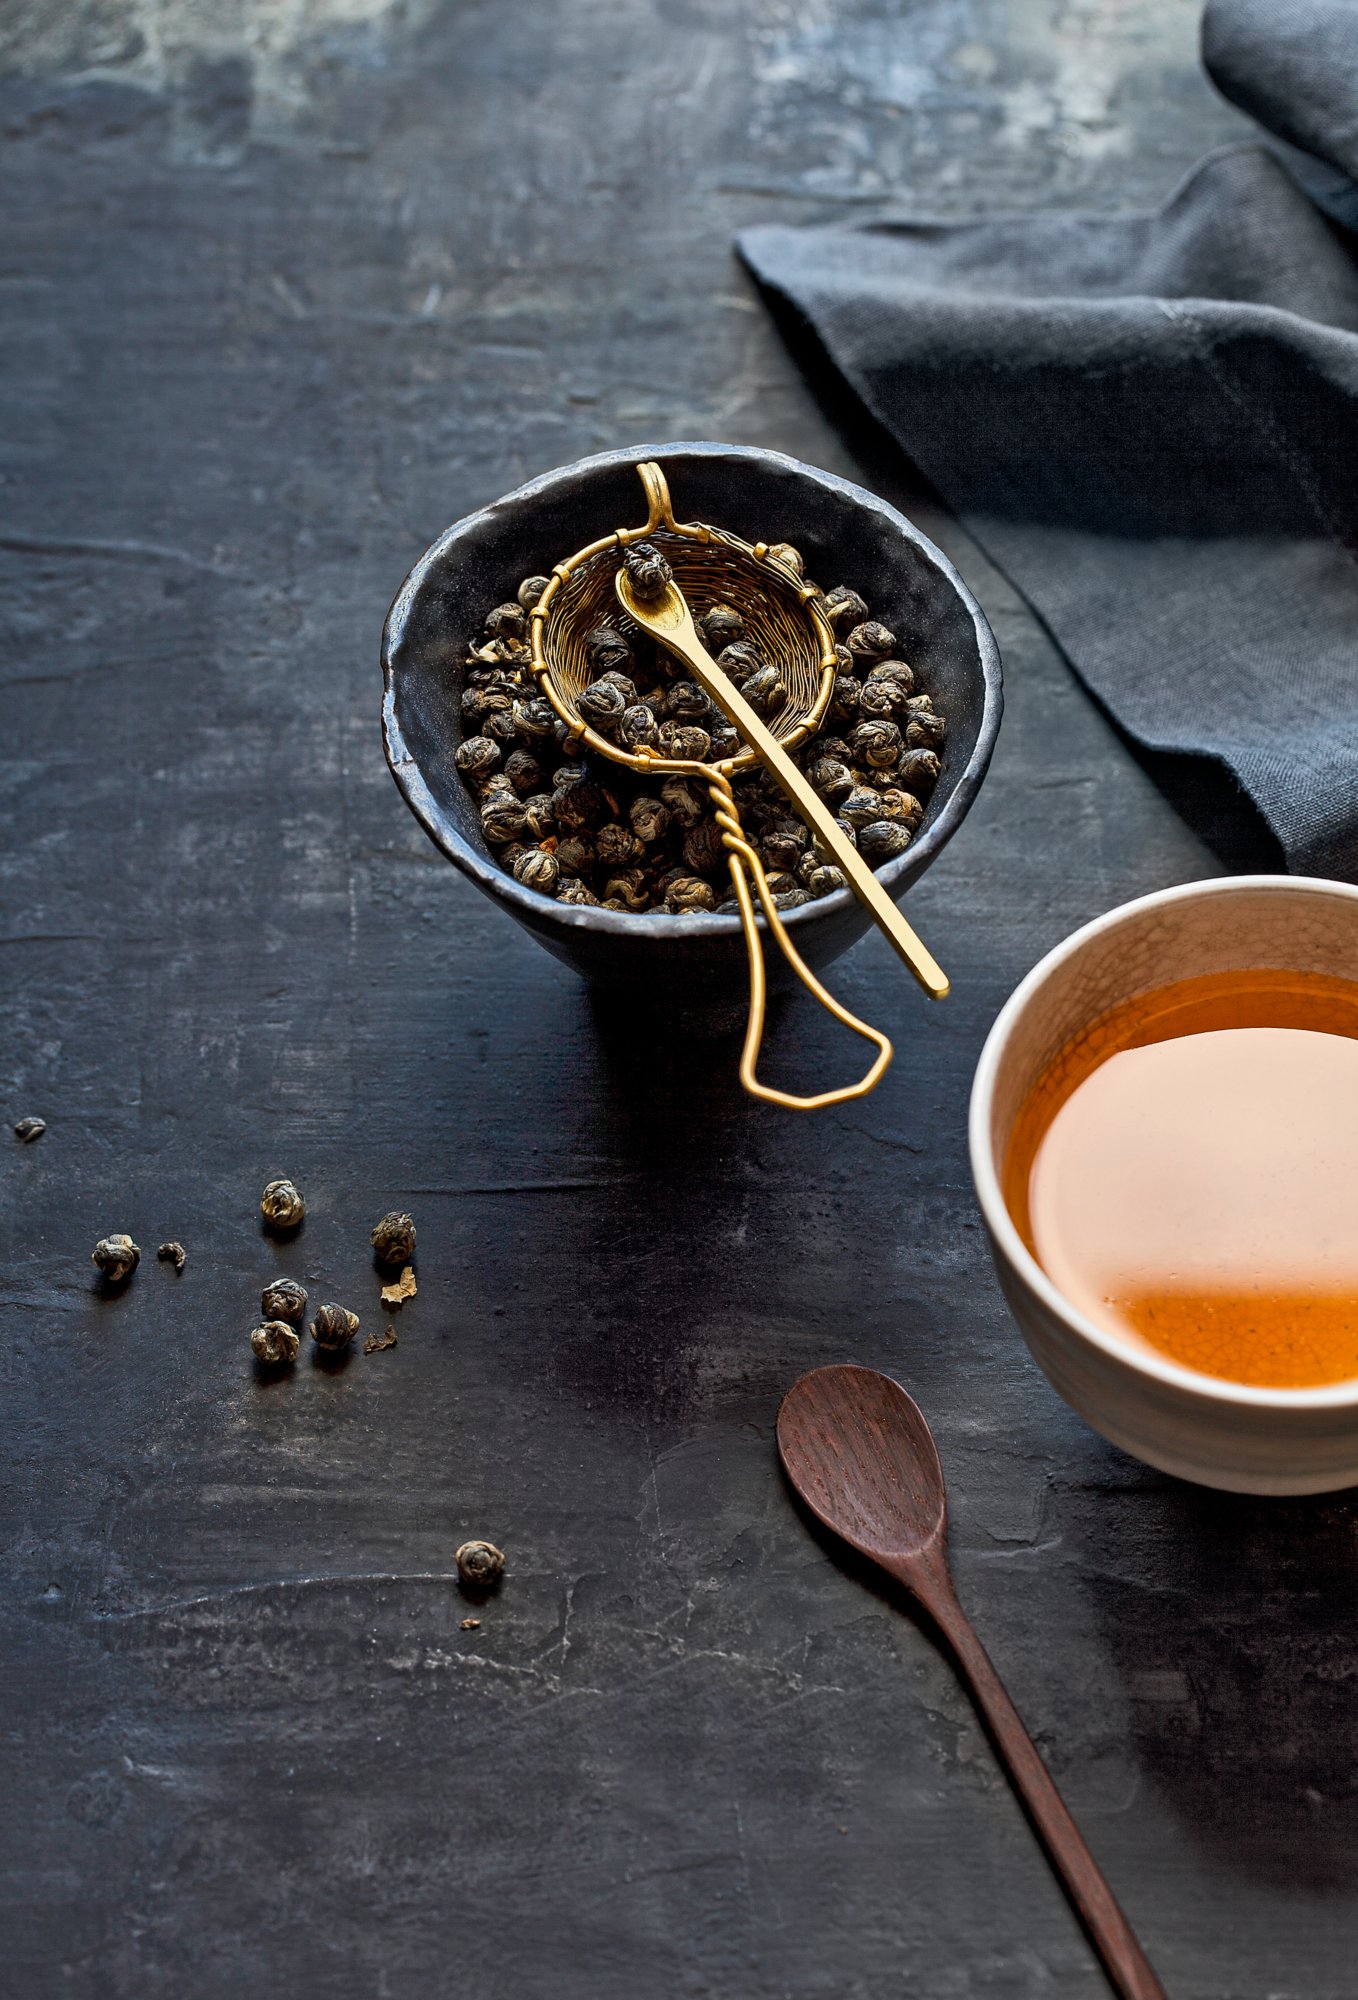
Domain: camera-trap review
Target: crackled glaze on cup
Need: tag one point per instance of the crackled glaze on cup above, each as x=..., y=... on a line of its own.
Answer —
x=1225, y=1434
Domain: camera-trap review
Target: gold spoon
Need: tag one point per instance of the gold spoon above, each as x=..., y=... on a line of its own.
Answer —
x=667, y=618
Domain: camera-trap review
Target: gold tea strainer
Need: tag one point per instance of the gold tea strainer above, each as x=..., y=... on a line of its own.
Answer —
x=784, y=620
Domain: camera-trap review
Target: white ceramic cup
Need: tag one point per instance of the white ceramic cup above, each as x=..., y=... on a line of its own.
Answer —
x=1226, y=1434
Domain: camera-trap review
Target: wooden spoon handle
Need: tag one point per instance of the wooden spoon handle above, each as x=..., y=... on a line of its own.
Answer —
x=1126, y=1964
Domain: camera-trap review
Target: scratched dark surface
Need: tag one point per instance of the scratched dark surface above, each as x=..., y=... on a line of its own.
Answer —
x=282, y=293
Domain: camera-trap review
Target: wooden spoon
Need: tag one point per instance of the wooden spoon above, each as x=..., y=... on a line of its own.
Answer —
x=858, y=1451
x=668, y=618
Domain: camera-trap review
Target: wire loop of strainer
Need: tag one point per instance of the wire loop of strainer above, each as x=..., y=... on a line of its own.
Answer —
x=784, y=620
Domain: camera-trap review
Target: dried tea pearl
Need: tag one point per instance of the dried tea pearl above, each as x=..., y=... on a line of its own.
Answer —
x=831, y=779
x=834, y=746
x=790, y=558
x=601, y=704
x=523, y=772
x=494, y=652
x=924, y=730
x=29, y=1129
x=721, y=626
x=480, y=1563
x=573, y=890
x=902, y=806
x=638, y=729
x=684, y=742
x=537, y=869
x=704, y=848
x=686, y=803
x=479, y=704
x=501, y=726
x=882, y=840
x=780, y=882
x=625, y=685
x=509, y=855
x=574, y=854
x=689, y=892
x=567, y=774
x=567, y=744
x=116, y=1256
x=649, y=819
x=281, y=1205
x=393, y=1238
x=844, y=607
x=173, y=1253
x=848, y=829
x=580, y=806
x=618, y=846
x=918, y=771
x=881, y=701
x=824, y=879
x=740, y=660
x=791, y=899
x=766, y=691
x=333, y=1327
x=607, y=648
x=284, y=1299
x=503, y=820
x=877, y=744
x=844, y=697
x=539, y=816
x=860, y=806
x=783, y=844
x=899, y=671
x=535, y=718
x=649, y=572
x=477, y=757
x=725, y=741
x=871, y=642
x=530, y=590
x=628, y=890
x=275, y=1344
x=507, y=622
x=686, y=702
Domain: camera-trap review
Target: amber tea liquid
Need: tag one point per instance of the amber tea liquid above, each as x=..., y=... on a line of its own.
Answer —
x=1186, y=1173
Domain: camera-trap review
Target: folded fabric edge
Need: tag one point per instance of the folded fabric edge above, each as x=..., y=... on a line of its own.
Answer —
x=747, y=248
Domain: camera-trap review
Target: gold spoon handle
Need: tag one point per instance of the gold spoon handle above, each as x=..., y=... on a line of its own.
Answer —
x=744, y=861
x=1130, y=1971
x=682, y=639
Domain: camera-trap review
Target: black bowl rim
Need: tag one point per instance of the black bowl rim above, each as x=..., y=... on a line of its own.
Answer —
x=895, y=877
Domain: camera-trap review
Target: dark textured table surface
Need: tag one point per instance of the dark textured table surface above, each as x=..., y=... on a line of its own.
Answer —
x=283, y=291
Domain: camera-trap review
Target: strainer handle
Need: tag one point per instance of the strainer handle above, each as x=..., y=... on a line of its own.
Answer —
x=742, y=858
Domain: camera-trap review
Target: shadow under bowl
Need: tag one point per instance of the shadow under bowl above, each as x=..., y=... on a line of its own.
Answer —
x=692, y=966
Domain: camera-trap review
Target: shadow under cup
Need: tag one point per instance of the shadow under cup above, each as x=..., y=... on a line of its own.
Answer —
x=1220, y=1433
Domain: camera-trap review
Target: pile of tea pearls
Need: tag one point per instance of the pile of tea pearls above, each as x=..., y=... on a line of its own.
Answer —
x=591, y=833
x=283, y=1302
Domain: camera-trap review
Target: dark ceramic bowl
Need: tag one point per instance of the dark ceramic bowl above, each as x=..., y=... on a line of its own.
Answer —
x=845, y=535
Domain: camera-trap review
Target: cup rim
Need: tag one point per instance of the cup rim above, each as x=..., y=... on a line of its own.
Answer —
x=994, y=1208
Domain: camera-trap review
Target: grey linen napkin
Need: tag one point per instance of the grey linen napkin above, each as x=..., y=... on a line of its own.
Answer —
x=1150, y=422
